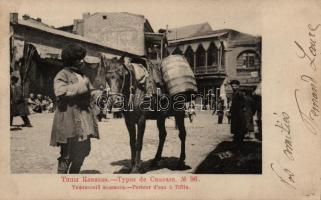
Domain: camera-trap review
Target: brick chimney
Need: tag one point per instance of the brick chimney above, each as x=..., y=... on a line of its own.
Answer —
x=14, y=17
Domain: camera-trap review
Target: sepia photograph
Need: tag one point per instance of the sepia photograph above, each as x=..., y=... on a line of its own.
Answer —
x=146, y=99
x=116, y=92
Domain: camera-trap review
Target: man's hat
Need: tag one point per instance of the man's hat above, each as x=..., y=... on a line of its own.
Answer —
x=72, y=52
x=235, y=82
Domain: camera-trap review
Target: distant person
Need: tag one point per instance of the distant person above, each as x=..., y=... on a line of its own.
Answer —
x=238, y=122
x=191, y=112
x=18, y=105
x=48, y=104
x=39, y=107
x=31, y=103
x=220, y=111
x=74, y=121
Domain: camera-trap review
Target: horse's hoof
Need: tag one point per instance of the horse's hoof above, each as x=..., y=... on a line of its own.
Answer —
x=154, y=163
x=180, y=165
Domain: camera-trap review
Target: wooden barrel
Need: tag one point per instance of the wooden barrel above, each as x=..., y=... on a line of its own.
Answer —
x=178, y=75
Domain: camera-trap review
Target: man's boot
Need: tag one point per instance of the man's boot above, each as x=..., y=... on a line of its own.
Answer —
x=63, y=166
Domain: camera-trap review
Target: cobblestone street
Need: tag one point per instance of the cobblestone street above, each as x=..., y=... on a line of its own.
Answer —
x=31, y=153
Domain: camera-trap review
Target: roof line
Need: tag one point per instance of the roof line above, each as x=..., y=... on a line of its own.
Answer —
x=198, y=37
x=67, y=35
x=181, y=27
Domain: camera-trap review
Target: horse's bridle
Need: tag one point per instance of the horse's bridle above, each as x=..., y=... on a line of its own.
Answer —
x=123, y=84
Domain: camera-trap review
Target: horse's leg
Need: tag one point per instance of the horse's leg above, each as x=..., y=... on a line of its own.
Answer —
x=139, y=142
x=162, y=137
x=179, y=117
x=132, y=138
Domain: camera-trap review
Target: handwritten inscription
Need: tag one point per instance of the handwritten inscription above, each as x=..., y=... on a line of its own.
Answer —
x=311, y=53
x=285, y=174
x=310, y=115
x=284, y=126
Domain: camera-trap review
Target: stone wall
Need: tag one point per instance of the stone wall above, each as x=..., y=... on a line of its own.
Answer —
x=121, y=31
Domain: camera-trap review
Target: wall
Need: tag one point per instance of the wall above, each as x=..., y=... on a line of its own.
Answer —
x=119, y=30
x=231, y=55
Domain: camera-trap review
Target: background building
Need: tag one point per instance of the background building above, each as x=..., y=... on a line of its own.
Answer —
x=217, y=56
x=124, y=31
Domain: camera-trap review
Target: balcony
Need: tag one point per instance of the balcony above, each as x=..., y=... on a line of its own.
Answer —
x=212, y=69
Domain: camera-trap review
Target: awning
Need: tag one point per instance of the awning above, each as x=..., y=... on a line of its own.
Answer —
x=18, y=46
x=92, y=60
x=47, y=51
x=155, y=37
x=109, y=56
x=52, y=52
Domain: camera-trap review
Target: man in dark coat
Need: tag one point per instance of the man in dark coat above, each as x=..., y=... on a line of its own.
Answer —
x=238, y=122
x=18, y=105
x=74, y=121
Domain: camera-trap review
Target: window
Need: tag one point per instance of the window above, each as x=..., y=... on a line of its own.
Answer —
x=212, y=55
x=248, y=60
x=104, y=17
x=223, y=55
x=200, y=56
x=189, y=55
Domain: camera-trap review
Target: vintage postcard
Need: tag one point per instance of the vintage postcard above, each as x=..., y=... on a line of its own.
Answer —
x=160, y=99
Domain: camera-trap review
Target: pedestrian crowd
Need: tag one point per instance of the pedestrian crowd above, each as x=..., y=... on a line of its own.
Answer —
x=39, y=104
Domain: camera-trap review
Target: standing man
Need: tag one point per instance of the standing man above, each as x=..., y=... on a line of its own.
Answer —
x=238, y=122
x=18, y=105
x=220, y=110
x=74, y=121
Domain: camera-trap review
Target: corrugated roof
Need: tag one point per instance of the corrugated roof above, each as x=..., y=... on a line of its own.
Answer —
x=189, y=31
x=198, y=37
x=199, y=33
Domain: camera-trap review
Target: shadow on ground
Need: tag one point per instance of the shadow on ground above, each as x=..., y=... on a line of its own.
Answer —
x=90, y=172
x=229, y=158
x=15, y=127
x=146, y=166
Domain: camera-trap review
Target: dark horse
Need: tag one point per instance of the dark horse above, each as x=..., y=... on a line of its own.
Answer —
x=122, y=82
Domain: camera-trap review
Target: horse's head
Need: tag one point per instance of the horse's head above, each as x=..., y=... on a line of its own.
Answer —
x=115, y=77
